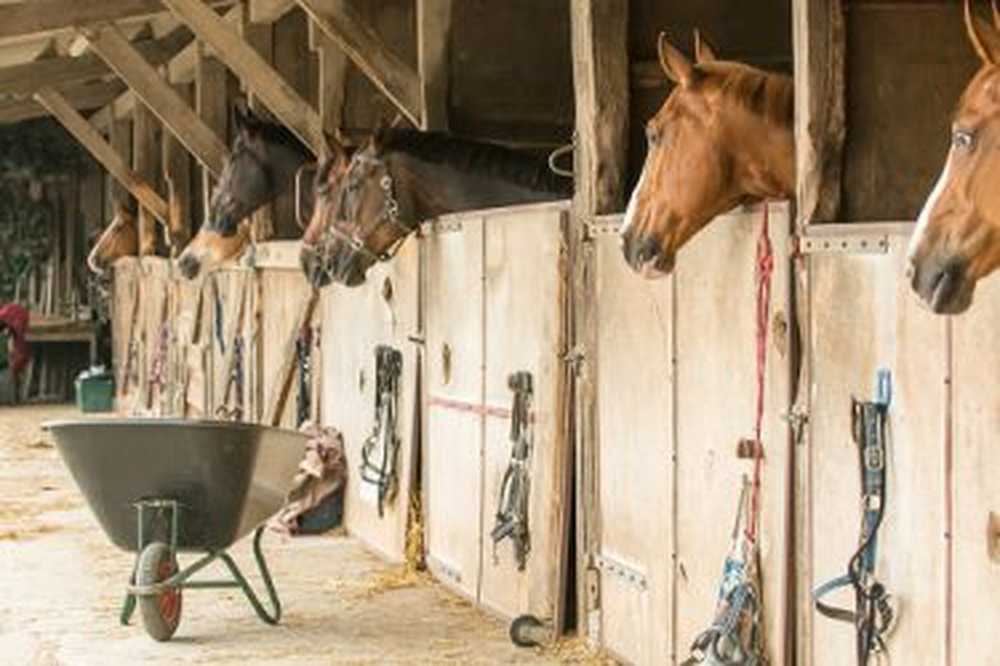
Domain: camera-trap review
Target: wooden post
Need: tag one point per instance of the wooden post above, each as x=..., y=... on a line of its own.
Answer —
x=120, y=136
x=433, y=45
x=145, y=162
x=109, y=43
x=211, y=105
x=820, y=121
x=261, y=38
x=77, y=125
x=601, y=81
x=177, y=172
x=333, y=67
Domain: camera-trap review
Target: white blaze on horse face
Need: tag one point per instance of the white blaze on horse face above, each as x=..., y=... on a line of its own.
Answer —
x=924, y=220
x=633, y=202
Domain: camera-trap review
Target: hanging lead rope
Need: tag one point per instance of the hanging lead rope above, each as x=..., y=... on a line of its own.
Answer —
x=515, y=489
x=736, y=636
x=873, y=614
x=379, y=452
x=303, y=356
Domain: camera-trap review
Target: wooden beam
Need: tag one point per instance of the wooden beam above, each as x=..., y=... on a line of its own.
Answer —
x=260, y=37
x=112, y=46
x=290, y=108
x=120, y=137
x=103, y=152
x=820, y=117
x=433, y=44
x=388, y=72
x=80, y=96
x=40, y=17
x=599, y=31
x=177, y=173
x=268, y=11
x=29, y=77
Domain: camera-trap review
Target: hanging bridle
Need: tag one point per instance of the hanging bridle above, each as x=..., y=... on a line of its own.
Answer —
x=349, y=232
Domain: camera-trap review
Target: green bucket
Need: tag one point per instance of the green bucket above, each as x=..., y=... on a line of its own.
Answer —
x=95, y=391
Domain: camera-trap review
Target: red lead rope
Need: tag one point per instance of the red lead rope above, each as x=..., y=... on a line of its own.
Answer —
x=764, y=269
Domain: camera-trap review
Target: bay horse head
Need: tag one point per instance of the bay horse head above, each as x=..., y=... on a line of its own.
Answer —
x=369, y=202
x=723, y=137
x=956, y=242
x=121, y=239
x=264, y=159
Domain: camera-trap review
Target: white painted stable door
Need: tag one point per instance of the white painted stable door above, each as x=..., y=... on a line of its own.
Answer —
x=494, y=305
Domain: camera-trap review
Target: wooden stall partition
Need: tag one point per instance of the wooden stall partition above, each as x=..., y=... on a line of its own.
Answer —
x=488, y=316
x=862, y=317
x=676, y=394
x=972, y=459
x=229, y=294
x=355, y=321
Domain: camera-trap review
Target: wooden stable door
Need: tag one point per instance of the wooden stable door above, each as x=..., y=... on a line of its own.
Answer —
x=676, y=377
x=495, y=305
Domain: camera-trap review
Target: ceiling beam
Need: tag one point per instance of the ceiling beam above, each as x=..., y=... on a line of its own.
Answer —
x=29, y=77
x=62, y=109
x=40, y=17
x=81, y=96
x=397, y=79
x=433, y=42
x=269, y=11
x=276, y=93
x=172, y=110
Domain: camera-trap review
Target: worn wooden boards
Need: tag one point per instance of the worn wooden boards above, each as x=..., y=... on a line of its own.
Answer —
x=383, y=311
x=676, y=377
x=487, y=317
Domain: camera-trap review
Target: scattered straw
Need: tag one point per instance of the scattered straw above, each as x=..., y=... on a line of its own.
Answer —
x=575, y=650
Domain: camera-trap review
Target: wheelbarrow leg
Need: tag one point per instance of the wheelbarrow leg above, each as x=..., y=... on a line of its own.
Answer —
x=265, y=574
x=128, y=606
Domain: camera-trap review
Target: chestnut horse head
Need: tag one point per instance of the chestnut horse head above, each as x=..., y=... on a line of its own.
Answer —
x=723, y=137
x=368, y=204
x=957, y=239
x=121, y=239
x=263, y=163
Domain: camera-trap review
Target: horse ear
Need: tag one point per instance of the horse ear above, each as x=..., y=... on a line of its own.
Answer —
x=703, y=49
x=674, y=63
x=334, y=149
x=985, y=38
x=996, y=14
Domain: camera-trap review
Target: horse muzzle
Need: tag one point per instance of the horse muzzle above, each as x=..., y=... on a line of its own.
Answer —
x=942, y=283
x=645, y=257
x=189, y=266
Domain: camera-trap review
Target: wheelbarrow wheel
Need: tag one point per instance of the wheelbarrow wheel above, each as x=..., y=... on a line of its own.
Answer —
x=526, y=631
x=161, y=613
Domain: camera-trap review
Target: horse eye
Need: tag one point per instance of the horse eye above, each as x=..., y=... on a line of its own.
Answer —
x=652, y=137
x=963, y=139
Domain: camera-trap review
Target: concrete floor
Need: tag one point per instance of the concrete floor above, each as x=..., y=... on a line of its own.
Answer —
x=61, y=585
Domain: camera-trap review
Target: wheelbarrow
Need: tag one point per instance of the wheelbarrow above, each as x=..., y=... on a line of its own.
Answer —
x=160, y=487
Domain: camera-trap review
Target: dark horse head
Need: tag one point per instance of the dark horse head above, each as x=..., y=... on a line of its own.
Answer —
x=262, y=166
x=369, y=202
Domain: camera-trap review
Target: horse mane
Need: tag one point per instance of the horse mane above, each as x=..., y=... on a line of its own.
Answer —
x=765, y=94
x=486, y=159
x=276, y=133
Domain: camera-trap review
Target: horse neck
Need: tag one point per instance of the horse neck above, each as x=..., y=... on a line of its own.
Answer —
x=766, y=156
x=439, y=189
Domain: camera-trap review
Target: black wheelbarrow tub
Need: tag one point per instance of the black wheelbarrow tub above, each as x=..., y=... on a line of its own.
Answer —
x=228, y=477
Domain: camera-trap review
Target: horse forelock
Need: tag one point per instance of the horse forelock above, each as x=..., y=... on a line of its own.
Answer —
x=486, y=159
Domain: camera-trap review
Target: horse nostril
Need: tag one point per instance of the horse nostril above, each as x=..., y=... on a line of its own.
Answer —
x=189, y=266
x=648, y=251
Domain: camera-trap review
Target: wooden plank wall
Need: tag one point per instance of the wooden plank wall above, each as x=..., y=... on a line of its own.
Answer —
x=676, y=369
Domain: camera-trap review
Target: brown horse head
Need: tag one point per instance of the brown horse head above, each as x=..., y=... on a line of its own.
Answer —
x=264, y=159
x=316, y=254
x=369, y=204
x=723, y=137
x=120, y=239
x=957, y=239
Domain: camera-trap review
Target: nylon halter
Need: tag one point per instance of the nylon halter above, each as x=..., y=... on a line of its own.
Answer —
x=389, y=215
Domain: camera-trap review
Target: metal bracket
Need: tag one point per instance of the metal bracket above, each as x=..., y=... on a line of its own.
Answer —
x=621, y=570
x=852, y=244
x=442, y=226
x=608, y=225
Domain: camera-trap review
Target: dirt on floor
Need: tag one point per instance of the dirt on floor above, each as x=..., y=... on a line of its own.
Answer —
x=62, y=586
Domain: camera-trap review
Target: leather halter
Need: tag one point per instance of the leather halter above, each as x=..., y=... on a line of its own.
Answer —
x=390, y=213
